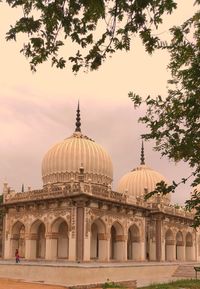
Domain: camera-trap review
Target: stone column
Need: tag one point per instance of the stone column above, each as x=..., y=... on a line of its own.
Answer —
x=51, y=246
x=3, y=232
x=136, y=251
x=103, y=247
x=6, y=239
x=180, y=250
x=120, y=247
x=72, y=247
x=158, y=239
x=30, y=248
x=152, y=249
x=80, y=217
x=170, y=250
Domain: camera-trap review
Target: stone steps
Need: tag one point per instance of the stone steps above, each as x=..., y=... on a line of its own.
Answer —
x=186, y=271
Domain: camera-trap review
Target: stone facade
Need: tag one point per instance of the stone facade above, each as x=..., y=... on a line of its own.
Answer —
x=82, y=222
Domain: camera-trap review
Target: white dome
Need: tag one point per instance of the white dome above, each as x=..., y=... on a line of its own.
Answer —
x=63, y=161
x=140, y=181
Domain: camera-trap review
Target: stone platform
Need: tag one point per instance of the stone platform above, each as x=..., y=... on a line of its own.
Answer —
x=74, y=274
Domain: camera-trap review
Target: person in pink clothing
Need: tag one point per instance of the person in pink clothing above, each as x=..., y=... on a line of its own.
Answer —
x=17, y=256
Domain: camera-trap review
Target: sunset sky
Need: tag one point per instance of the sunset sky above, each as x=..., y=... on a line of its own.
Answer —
x=38, y=110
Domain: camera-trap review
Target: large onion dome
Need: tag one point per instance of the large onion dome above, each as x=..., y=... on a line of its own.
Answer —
x=63, y=161
x=141, y=180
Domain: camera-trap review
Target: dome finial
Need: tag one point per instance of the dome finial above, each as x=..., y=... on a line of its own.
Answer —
x=142, y=154
x=78, y=120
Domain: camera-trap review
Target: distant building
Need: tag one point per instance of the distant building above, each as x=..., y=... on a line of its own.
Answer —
x=78, y=217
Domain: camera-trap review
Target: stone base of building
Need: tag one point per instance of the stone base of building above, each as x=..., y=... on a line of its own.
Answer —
x=72, y=274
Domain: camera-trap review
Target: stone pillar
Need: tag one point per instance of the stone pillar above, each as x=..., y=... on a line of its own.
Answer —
x=103, y=247
x=120, y=248
x=189, y=253
x=180, y=251
x=6, y=239
x=51, y=246
x=80, y=232
x=142, y=251
x=136, y=251
x=152, y=250
x=170, y=250
x=158, y=239
x=30, y=248
x=72, y=247
x=3, y=232
x=87, y=248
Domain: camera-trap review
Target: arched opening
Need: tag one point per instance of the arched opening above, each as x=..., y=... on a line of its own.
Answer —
x=18, y=239
x=98, y=240
x=180, y=254
x=41, y=242
x=189, y=256
x=60, y=239
x=169, y=246
x=133, y=244
x=116, y=242
x=38, y=240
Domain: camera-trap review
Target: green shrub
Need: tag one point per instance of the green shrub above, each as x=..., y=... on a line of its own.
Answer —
x=110, y=284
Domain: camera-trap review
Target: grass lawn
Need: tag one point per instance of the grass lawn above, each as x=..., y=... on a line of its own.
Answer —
x=180, y=284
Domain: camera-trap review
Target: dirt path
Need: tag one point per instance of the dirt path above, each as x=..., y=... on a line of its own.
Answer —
x=17, y=284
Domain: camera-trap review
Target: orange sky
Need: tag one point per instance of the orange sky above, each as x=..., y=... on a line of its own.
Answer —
x=37, y=110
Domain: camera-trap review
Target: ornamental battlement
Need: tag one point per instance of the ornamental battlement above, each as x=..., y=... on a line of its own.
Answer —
x=102, y=192
x=51, y=192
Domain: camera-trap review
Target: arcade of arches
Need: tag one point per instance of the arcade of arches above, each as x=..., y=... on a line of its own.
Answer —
x=101, y=234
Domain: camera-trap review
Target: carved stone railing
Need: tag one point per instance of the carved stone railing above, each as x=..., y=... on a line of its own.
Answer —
x=42, y=194
x=117, y=196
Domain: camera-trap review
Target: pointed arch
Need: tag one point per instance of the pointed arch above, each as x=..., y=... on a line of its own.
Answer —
x=60, y=238
x=180, y=252
x=98, y=240
x=133, y=243
x=38, y=244
x=189, y=252
x=18, y=239
x=116, y=241
x=169, y=245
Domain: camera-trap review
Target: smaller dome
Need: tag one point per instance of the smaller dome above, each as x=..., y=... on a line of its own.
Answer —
x=141, y=180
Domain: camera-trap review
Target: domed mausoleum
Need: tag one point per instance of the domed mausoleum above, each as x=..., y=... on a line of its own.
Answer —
x=77, y=216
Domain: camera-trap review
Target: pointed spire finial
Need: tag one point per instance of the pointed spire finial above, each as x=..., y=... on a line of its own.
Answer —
x=142, y=154
x=78, y=120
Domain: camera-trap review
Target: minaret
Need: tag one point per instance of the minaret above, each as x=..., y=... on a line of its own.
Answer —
x=142, y=160
x=78, y=120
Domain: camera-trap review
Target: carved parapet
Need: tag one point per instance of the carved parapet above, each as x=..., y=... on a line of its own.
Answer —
x=118, y=196
x=42, y=194
x=100, y=191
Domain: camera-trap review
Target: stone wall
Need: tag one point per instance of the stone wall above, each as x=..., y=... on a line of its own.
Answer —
x=86, y=274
